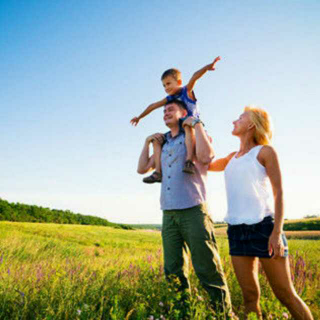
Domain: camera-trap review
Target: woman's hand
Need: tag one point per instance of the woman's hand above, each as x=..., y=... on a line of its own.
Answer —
x=275, y=245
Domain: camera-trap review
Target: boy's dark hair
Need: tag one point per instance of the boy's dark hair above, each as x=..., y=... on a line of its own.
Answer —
x=179, y=103
x=175, y=73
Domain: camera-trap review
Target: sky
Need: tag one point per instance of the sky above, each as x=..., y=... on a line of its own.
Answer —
x=75, y=72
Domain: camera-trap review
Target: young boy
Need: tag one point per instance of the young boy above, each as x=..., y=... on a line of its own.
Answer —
x=172, y=83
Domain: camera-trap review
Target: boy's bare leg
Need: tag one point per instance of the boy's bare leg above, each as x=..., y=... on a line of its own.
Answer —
x=157, y=155
x=190, y=142
x=156, y=175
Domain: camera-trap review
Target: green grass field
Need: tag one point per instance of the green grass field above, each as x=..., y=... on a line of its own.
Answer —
x=311, y=224
x=51, y=271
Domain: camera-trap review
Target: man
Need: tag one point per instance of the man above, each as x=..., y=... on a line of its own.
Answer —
x=186, y=222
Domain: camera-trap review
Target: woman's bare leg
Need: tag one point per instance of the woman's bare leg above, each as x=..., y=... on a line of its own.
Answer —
x=246, y=270
x=278, y=274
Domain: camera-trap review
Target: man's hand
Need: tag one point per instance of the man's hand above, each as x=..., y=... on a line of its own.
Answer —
x=157, y=137
x=188, y=122
x=276, y=245
x=134, y=121
x=211, y=66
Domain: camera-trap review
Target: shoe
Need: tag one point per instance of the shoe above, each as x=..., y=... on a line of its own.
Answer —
x=155, y=177
x=189, y=167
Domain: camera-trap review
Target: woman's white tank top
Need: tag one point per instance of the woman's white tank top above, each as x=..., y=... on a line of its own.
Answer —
x=246, y=184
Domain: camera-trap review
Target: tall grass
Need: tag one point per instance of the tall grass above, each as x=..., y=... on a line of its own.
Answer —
x=50, y=271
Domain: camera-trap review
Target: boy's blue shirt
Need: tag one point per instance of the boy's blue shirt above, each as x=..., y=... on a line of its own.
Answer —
x=192, y=106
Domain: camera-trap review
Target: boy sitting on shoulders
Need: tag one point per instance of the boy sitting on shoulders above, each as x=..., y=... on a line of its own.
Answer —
x=172, y=83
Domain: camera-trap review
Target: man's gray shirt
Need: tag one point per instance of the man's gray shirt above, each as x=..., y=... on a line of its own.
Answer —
x=180, y=190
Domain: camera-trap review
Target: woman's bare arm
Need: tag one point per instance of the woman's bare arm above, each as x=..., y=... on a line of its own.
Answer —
x=220, y=164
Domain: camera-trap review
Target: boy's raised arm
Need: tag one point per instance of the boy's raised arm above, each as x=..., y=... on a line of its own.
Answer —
x=198, y=74
x=134, y=121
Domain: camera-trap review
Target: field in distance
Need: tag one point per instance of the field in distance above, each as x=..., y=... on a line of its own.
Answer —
x=52, y=271
x=295, y=229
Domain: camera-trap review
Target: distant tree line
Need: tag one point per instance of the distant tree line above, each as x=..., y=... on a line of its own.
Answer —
x=311, y=216
x=19, y=212
x=147, y=226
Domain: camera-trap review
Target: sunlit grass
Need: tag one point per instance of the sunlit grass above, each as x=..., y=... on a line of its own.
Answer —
x=51, y=271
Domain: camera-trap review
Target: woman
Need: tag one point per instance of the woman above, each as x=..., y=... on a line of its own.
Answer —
x=254, y=230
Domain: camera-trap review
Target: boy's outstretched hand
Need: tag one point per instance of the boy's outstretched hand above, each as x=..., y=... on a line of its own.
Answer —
x=134, y=121
x=211, y=66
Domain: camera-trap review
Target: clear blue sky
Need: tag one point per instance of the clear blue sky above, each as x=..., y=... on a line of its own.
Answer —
x=75, y=72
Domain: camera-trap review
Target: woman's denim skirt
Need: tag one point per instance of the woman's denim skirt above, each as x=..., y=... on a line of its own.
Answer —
x=252, y=239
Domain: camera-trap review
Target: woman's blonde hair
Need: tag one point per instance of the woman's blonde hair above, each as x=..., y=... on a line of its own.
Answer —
x=261, y=120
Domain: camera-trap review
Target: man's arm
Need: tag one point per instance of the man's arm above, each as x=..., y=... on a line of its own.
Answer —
x=204, y=150
x=134, y=121
x=146, y=163
x=197, y=75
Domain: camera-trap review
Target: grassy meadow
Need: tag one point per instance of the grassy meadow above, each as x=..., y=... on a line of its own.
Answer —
x=52, y=271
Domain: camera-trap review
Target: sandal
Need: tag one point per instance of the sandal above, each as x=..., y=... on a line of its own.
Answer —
x=189, y=167
x=155, y=177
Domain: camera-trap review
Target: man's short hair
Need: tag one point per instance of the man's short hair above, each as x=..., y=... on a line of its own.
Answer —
x=179, y=103
x=175, y=73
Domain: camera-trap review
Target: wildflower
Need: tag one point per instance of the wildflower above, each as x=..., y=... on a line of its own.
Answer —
x=200, y=298
x=162, y=317
x=151, y=318
x=285, y=315
x=161, y=304
x=79, y=312
x=22, y=294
